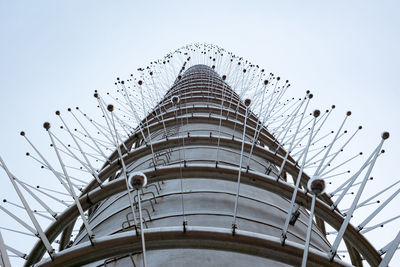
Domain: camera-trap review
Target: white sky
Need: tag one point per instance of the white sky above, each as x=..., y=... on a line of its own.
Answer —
x=53, y=54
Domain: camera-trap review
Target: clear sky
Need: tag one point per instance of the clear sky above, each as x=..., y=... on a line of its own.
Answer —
x=53, y=54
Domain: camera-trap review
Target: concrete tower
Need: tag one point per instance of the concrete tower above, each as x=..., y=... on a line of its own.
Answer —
x=202, y=181
x=189, y=204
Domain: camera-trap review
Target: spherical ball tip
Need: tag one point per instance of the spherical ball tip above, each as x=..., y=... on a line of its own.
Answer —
x=46, y=125
x=175, y=100
x=316, y=185
x=385, y=135
x=137, y=180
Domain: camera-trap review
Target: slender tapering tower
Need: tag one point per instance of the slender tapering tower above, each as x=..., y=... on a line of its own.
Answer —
x=203, y=179
x=194, y=211
x=207, y=201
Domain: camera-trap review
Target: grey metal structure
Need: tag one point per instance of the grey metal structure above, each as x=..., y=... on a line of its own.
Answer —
x=190, y=196
x=202, y=180
x=188, y=206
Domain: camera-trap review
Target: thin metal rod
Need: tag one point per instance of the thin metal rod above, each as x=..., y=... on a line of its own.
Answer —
x=41, y=235
x=73, y=194
x=340, y=165
x=389, y=254
x=41, y=202
x=16, y=231
x=90, y=137
x=95, y=124
x=309, y=228
x=21, y=222
x=351, y=180
x=294, y=137
x=318, y=171
x=116, y=143
x=376, y=211
x=337, y=153
x=386, y=248
x=5, y=261
x=16, y=252
x=377, y=194
x=92, y=170
x=141, y=229
x=34, y=211
x=332, y=252
x=240, y=171
x=296, y=188
x=47, y=163
x=107, y=119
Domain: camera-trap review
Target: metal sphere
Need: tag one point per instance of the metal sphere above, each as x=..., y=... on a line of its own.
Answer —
x=137, y=180
x=385, y=135
x=175, y=100
x=316, y=185
x=46, y=125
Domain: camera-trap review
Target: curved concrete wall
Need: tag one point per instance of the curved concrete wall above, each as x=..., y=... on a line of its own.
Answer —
x=199, y=201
